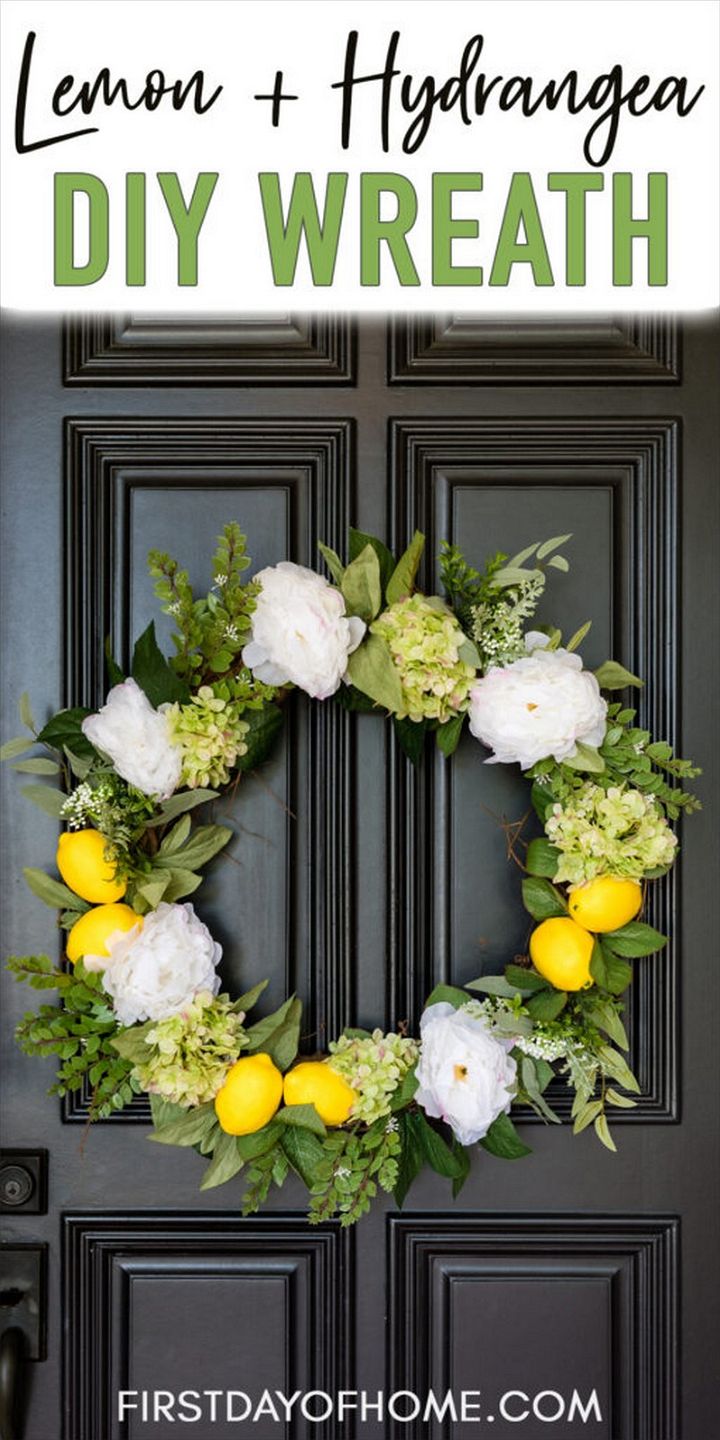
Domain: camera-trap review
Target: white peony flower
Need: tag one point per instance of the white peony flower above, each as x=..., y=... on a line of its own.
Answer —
x=300, y=631
x=152, y=973
x=465, y=1074
x=137, y=740
x=537, y=707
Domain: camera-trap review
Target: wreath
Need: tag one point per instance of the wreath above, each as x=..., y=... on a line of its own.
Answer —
x=141, y=1007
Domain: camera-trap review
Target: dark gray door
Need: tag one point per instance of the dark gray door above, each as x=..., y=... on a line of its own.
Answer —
x=359, y=882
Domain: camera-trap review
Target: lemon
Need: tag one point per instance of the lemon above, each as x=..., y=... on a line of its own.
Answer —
x=313, y=1082
x=606, y=903
x=90, y=934
x=560, y=950
x=82, y=864
x=249, y=1096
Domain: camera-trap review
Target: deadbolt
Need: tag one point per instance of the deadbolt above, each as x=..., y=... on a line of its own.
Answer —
x=23, y=1181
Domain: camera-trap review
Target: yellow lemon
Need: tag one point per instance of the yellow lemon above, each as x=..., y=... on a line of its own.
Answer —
x=82, y=864
x=250, y=1095
x=560, y=950
x=90, y=934
x=313, y=1082
x=606, y=903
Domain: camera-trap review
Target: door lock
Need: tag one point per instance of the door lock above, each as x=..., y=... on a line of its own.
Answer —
x=23, y=1182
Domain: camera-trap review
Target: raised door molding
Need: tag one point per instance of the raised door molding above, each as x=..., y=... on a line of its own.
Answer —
x=124, y=476
x=632, y=465
x=209, y=350
x=171, y=1301
x=486, y=1288
x=471, y=349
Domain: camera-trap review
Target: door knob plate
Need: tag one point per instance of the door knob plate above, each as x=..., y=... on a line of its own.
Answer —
x=23, y=1295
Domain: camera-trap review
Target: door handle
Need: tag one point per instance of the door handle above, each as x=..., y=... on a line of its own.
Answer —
x=22, y=1327
x=12, y=1351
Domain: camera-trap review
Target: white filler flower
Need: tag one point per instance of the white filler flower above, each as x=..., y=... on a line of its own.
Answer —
x=137, y=739
x=300, y=631
x=537, y=707
x=465, y=1074
x=154, y=972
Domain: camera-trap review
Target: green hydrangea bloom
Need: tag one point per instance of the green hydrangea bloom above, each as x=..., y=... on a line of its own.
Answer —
x=374, y=1065
x=193, y=1051
x=618, y=831
x=425, y=639
x=211, y=732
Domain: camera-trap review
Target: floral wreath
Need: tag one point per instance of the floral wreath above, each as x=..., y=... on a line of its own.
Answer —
x=140, y=1003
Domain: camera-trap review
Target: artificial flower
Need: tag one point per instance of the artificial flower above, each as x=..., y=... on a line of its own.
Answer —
x=301, y=634
x=137, y=739
x=155, y=972
x=425, y=642
x=465, y=1075
x=539, y=706
x=191, y=1052
x=374, y=1066
x=212, y=736
x=609, y=832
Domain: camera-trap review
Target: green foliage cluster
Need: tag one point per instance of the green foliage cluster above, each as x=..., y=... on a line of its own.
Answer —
x=79, y=1032
x=210, y=631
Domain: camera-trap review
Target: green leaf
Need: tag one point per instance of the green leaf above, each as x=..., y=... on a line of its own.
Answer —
x=265, y=726
x=114, y=673
x=586, y=1115
x=372, y=670
x=15, y=747
x=181, y=883
x=163, y=1111
x=65, y=728
x=176, y=837
x=542, y=858
x=462, y=1155
x=278, y=1035
x=258, y=1143
x=547, y=1004
x=410, y=1160
x=612, y=676
x=26, y=715
x=576, y=640
x=435, y=1150
x=493, y=985
x=405, y=1091
x=603, y=1014
x=615, y=1064
x=634, y=939
x=189, y=1129
x=447, y=994
x=361, y=585
x=132, y=1044
x=548, y=546
x=333, y=562
x=52, y=892
x=525, y=980
x=559, y=562
x=306, y=1116
x=358, y=541
x=250, y=998
x=178, y=804
x=151, y=671
x=512, y=575
x=402, y=580
x=586, y=758
x=46, y=797
x=468, y=653
x=608, y=971
x=533, y=1088
x=541, y=899
x=225, y=1163
x=602, y=1130
x=623, y=1102
x=503, y=1140
x=411, y=736
x=304, y=1151
x=205, y=842
x=448, y=735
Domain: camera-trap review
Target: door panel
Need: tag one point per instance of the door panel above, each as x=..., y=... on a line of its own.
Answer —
x=361, y=882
